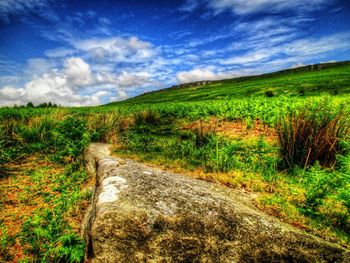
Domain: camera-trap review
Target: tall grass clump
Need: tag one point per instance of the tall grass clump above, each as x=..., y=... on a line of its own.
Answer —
x=147, y=117
x=104, y=127
x=313, y=133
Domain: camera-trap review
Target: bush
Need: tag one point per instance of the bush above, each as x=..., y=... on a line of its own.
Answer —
x=327, y=196
x=72, y=137
x=269, y=93
x=315, y=133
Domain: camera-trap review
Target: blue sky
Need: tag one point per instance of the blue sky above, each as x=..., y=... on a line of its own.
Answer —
x=88, y=52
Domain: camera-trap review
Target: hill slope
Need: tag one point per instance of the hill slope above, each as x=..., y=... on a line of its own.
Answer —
x=333, y=78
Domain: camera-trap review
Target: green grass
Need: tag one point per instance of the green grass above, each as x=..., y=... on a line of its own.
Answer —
x=332, y=79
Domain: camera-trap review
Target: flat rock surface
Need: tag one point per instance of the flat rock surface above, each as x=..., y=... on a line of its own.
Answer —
x=144, y=214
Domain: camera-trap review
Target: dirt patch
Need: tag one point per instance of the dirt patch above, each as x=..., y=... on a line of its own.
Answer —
x=17, y=202
x=233, y=130
x=27, y=187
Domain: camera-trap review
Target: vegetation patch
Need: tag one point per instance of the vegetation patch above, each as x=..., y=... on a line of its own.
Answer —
x=42, y=188
x=42, y=211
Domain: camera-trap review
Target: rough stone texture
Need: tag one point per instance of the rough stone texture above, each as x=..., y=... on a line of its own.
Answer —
x=143, y=214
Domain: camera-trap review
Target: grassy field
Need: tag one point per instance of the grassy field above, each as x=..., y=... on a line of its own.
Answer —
x=331, y=78
x=290, y=148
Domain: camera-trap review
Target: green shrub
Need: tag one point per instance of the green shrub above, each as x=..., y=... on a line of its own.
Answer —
x=269, y=93
x=327, y=196
x=71, y=139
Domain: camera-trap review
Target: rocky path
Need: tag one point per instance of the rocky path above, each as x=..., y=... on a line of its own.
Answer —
x=143, y=214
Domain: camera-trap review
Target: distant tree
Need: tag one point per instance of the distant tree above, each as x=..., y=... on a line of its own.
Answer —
x=42, y=105
x=30, y=105
x=47, y=105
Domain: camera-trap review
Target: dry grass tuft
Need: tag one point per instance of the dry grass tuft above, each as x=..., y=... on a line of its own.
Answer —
x=314, y=134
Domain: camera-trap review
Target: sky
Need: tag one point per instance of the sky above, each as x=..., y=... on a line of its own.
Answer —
x=82, y=53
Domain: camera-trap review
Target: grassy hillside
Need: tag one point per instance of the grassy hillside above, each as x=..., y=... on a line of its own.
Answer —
x=332, y=78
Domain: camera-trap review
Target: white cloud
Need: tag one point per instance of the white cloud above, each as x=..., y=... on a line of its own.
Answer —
x=316, y=46
x=59, y=52
x=243, y=7
x=77, y=71
x=296, y=50
x=59, y=87
x=73, y=85
x=48, y=84
x=254, y=56
x=199, y=74
x=52, y=87
x=10, y=93
x=38, y=66
x=117, y=49
x=124, y=79
x=122, y=94
x=10, y=96
x=9, y=8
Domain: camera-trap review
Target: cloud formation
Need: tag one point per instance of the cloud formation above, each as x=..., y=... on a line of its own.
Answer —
x=10, y=8
x=59, y=52
x=198, y=74
x=295, y=50
x=117, y=49
x=77, y=71
x=244, y=7
x=65, y=86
